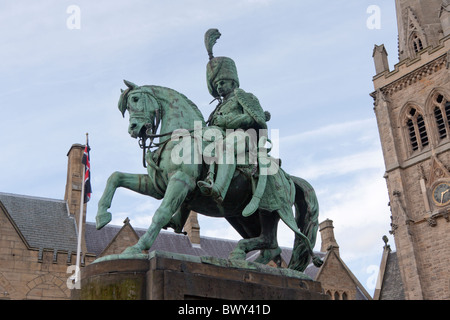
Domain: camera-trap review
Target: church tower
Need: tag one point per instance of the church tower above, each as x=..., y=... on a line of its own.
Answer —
x=412, y=108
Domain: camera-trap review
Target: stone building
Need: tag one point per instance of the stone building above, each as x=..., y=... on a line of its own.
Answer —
x=389, y=282
x=336, y=278
x=412, y=107
x=38, y=243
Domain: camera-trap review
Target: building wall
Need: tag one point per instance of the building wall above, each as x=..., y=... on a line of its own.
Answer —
x=421, y=229
x=24, y=273
x=335, y=280
x=433, y=258
x=125, y=238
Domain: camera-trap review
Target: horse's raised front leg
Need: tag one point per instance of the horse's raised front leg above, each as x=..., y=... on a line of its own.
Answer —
x=180, y=184
x=136, y=182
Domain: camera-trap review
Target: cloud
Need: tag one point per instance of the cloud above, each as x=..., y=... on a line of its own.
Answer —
x=360, y=212
x=331, y=151
x=329, y=131
x=339, y=166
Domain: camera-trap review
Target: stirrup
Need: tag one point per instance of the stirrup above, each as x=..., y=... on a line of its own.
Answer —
x=205, y=187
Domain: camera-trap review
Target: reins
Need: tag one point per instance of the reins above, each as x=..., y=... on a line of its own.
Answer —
x=144, y=147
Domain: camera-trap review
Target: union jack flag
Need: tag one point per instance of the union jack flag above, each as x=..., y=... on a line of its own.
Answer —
x=87, y=173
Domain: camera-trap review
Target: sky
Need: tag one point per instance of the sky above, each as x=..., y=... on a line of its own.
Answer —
x=62, y=65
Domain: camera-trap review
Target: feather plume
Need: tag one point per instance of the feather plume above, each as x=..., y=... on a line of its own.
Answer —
x=211, y=37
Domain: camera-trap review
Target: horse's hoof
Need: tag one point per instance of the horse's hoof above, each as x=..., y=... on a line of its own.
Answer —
x=317, y=261
x=102, y=219
x=177, y=228
x=237, y=254
x=268, y=255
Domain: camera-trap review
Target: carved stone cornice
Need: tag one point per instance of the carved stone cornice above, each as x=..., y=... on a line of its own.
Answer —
x=378, y=96
x=416, y=75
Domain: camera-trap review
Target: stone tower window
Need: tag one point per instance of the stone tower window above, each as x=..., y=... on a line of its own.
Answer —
x=416, y=42
x=442, y=115
x=417, y=132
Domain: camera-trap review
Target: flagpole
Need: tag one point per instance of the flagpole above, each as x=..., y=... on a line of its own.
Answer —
x=80, y=222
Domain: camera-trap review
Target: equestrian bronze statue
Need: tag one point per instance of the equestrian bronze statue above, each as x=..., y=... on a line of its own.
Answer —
x=219, y=168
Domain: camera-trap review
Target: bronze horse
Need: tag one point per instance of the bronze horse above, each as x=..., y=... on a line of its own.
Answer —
x=176, y=184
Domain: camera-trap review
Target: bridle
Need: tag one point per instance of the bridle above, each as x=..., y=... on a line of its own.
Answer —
x=150, y=128
x=150, y=134
x=150, y=131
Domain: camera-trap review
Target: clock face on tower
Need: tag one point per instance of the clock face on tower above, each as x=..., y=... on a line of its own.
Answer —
x=441, y=194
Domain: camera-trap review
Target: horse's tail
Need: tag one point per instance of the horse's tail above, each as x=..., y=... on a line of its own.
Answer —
x=306, y=217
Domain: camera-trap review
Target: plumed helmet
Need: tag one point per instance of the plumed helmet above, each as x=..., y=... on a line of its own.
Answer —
x=218, y=68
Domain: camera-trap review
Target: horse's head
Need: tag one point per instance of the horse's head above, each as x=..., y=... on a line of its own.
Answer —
x=143, y=108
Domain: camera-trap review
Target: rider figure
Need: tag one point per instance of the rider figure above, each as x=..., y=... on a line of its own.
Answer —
x=237, y=109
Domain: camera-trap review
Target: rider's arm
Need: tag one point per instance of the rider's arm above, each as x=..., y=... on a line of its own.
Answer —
x=236, y=121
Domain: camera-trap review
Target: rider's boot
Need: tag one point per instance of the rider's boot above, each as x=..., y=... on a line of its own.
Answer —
x=206, y=186
x=219, y=189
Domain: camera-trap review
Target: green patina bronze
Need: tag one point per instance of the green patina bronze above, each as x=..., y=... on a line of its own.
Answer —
x=251, y=195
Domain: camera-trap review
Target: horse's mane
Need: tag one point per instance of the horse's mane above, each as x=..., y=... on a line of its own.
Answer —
x=161, y=89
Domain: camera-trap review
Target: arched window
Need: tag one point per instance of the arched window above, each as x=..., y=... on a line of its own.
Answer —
x=417, y=131
x=344, y=296
x=441, y=111
x=336, y=296
x=416, y=42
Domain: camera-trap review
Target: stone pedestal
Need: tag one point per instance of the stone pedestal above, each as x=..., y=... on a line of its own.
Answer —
x=167, y=276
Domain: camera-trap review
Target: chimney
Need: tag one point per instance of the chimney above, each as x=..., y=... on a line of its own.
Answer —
x=380, y=59
x=192, y=229
x=73, y=186
x=327, y=235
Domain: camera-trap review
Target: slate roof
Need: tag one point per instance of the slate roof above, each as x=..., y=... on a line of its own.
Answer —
x=44, y=223
x=97, y=240
x=392, y=286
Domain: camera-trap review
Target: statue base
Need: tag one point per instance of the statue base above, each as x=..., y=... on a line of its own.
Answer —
x=169, y=276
